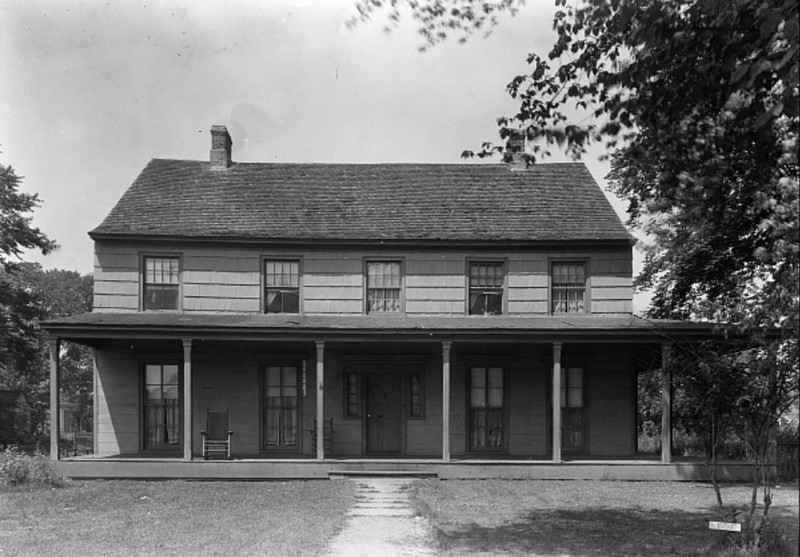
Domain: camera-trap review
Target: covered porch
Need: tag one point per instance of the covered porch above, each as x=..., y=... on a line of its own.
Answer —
x=455, y=397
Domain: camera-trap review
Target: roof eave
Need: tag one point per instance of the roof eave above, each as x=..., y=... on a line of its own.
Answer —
x=164, y=239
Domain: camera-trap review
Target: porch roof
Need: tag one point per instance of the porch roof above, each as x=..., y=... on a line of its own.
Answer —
x=279, y=326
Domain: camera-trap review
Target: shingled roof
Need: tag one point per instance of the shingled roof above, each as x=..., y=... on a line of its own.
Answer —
x=366, y=202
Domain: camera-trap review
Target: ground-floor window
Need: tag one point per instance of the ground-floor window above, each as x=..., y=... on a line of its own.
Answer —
x=162, y=409
x=352, y=395
x=486, y=408
x=572, y=409
x=281, y=412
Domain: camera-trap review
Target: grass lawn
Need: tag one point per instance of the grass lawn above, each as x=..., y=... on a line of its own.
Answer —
x=574, y=518
x=173, y=518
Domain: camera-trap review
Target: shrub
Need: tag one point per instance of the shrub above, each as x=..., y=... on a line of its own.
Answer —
x=18, y=468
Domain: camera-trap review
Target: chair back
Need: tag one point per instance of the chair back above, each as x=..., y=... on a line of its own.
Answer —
x=217, y=425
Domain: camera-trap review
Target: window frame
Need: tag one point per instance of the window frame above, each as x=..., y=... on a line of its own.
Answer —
x=358, y=414
x=402, y=288
x=177, y=448
x=504, y=365
x=262, y=390
x=263, y=273
x=503, y=289
x=410, y=397
x=565, y=368
x=587, y=293
x=143, y=258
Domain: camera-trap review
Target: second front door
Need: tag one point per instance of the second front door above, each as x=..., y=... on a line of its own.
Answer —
x=384, y=413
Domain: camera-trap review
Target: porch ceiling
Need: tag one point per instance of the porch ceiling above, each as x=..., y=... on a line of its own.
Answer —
x=356, y=327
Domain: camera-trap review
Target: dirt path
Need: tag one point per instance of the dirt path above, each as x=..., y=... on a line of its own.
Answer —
x=382, y=523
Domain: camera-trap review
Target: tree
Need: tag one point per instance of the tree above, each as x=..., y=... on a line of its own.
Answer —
x=19, y=308
x=47, y=295
x=697, y=103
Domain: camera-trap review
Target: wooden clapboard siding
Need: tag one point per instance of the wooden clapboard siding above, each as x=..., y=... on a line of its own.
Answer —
x=527, y=398
x=116, y=278
x=612, y=283
x=435, y=285
x=218, y=279
x=227, y=382
x=612, y=419
x=333, y=282
x=117, y=423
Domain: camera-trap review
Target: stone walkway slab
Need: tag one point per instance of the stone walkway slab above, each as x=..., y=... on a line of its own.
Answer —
x=383, y=523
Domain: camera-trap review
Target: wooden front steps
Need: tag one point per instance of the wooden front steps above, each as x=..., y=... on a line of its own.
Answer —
x=348, y=474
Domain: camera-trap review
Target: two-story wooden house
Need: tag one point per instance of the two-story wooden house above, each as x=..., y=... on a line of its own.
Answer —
x=465, y=320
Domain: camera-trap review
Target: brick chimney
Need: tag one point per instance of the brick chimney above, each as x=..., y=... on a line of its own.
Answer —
x=221, y=144
x=515, y=147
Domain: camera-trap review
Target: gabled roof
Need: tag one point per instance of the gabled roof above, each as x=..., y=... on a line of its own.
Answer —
x=365, y=203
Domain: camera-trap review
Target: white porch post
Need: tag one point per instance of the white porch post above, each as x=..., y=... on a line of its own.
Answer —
x=666, y=405
x=446, y=401
x=95, y=401
x=320, y=400
x=187, y=399
x=557, y=402
x=54, y=345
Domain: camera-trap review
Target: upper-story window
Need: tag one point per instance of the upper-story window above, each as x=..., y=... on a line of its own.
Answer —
x=161, y=283
x=281, y=286
x=384, y=287
x=486, y=280
x=568, y=287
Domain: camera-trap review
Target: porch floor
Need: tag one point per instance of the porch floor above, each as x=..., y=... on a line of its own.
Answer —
x=644, y=469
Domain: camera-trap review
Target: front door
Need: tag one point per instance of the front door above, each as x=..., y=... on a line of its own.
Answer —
x=384, y=413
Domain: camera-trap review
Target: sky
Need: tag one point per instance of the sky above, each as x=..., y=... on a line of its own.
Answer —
x=90, y=91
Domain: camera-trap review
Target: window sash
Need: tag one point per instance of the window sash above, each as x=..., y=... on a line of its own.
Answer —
x=487, y=407
x=281, y=407
x=486, y=281
x=352, y=396
x=162, y=406
x=161, y=283
x=281, y=286
x=568, y=287
x=417, y=402
x=384, y=284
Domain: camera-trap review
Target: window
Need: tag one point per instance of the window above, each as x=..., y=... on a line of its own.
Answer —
x=568, y=287
x=572, y=414
x=281, y=407
x=486, y=412
x=162, y=412
x=161, y=283
x=281, y=286
x=352, y=394
x=417, y=406
x=383, y=287
x=486, y=288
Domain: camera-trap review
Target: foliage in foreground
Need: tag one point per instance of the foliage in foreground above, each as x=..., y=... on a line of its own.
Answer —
x=20, y=469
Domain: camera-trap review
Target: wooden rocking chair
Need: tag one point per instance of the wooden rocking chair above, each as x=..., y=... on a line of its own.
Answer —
x=217, y=436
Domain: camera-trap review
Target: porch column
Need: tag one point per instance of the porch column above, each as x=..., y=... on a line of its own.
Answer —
x=446, y=401
x=187, y=399
x=666, y=405
x=54, y=347
x=320, y=400
x=557, y=402
x=95, y=402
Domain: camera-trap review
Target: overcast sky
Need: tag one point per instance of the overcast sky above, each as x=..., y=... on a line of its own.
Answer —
x=90, y=91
